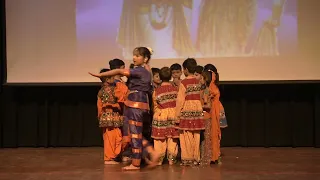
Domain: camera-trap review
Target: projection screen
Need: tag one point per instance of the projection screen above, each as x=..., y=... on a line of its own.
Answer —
x=59, y=41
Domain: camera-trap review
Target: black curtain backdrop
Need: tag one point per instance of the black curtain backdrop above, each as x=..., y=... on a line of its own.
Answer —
x=263, y=115
x=258, y=115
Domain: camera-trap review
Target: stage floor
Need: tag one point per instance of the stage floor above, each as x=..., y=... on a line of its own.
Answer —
x=86, y=163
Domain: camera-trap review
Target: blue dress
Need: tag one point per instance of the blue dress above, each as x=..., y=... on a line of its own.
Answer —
x=136, y=110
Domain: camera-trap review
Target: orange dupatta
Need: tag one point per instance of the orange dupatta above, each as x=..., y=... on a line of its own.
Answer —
x=215, y=118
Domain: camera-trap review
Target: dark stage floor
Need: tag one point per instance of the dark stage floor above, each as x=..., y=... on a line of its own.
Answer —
x=86, y=163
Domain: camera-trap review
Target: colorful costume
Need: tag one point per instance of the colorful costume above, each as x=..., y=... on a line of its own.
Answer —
x=164, y=133
x=136, y=110
x=110, y=118
x=215, y=119
x=191, y=121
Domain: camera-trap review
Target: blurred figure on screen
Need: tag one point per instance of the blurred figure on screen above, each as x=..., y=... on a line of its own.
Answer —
x=224, y=26
x=162, y=24
x=267, y=41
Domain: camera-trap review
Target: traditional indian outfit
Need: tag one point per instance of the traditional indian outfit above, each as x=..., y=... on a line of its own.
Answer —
x=191, y=121
x=136, y=110
x=110, y=117
x=216, y=109
x=125, y=150
x=164, y=133
x=224, y=27
x=154, y=23
x=206, y=144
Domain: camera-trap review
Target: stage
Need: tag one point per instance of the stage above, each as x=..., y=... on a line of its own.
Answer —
x=86, y=163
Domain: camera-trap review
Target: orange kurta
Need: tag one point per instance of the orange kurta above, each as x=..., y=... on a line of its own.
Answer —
x=110, y=118
x=215, y=119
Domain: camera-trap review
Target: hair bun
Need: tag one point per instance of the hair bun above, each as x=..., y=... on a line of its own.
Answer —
x=150, y=50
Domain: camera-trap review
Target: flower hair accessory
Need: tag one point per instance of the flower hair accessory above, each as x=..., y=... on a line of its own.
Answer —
x=150, y=50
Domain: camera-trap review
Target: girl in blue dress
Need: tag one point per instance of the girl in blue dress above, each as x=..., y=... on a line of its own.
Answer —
x=136, y=106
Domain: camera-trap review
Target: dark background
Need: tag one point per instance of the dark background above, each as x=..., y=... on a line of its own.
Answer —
x=266, y=114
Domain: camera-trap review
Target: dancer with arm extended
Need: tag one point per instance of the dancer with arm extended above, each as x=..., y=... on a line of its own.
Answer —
x=136, y=105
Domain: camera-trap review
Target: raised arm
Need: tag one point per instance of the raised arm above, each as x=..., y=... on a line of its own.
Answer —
x=124, y=72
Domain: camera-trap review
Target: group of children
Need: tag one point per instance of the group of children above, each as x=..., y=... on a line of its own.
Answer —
x=177, y=114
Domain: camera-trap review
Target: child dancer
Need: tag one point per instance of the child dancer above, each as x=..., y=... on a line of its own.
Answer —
x=119, y=64
x=110, y=119
x=215, y=117
x=190, y=115
x=156, y=82
x=199, y=70
x=136, y=105
x=206, y=146
x=156, y=78
x=223, y=120
x=163, y=125
x=218, y=117
x=176, y=71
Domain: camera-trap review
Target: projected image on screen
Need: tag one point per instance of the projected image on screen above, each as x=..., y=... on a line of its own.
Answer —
x=187, y=28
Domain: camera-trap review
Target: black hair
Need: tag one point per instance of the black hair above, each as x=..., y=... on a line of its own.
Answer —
x=199, y=69
x=165, y=74
x=144, y=52
x=155, y=71
x=210, y=67
x=217, y=78
x=131, y=66
x=103, y=79
x=116, y=63
x=207, y=76
x=175, y=66
x=190, y=64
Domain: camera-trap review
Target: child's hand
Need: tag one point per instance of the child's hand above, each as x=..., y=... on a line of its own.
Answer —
x=95, y=75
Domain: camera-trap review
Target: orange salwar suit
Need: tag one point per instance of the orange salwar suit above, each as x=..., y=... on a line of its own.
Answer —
x=110, y=118
x=215, y=119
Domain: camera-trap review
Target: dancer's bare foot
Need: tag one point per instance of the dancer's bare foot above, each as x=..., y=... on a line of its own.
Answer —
x=220, y=160
x=126, y=159
x=110, y=162
x=154, y=160
x=131, y=168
